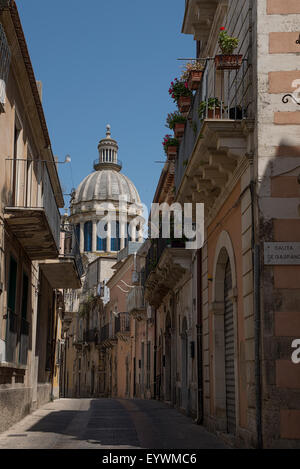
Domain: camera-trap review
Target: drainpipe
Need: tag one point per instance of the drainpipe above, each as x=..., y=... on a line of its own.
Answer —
x=155, y=352
x=199, y=419
x=257, y=324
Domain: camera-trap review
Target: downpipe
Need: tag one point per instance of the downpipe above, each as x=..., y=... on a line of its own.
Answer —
x=257, y=323
x=199, y=419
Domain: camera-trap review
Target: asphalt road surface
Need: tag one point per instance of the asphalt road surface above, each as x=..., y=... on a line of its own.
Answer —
x=107, y=424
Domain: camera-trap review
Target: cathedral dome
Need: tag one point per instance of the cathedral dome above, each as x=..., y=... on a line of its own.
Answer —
x=106, y=184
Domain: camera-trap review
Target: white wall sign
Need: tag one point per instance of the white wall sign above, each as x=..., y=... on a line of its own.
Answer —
x=282, y=253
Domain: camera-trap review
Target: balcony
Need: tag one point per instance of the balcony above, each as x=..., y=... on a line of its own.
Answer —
x=67, y=320
x=107, y=338
x=66, y=271
x=31, y=210
x=167, y=262
x=217, y=141
x=122, y=326
x=136, y=303
x=91, y=336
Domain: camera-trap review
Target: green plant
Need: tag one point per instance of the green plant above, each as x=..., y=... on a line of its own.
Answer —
x=227, y=43
x=196, y=65
x=178, y=89
x=169, y=141
x=175, y=118
x=210, y=104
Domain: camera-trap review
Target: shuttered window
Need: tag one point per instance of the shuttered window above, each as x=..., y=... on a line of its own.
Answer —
x=229, y=353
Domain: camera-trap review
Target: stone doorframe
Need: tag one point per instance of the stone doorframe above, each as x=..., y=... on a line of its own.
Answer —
x=223, y=251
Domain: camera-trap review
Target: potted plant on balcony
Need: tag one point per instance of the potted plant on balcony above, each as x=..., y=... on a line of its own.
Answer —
x=193, y=74
x=181, y=95
x=210, y=109
x=171, y=147
x=176, y=121
x=227, y=60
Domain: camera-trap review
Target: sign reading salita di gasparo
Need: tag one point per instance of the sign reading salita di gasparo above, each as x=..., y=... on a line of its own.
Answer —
x=282, y=253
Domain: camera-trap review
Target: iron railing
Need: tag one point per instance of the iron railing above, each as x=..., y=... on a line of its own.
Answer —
x=136, y=299
x=90, y=336
x=222, y=94
x=71, y=247
x=97, y=164
x=29, y=187
x=5, y=58
x=155, y=252
x=4, y=4
x=122, y=323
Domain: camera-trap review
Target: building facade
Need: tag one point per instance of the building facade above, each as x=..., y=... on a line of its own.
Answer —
x=32, y=259
x=243, y=163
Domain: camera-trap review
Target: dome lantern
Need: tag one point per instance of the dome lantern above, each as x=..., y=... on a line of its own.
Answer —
x=108, y=153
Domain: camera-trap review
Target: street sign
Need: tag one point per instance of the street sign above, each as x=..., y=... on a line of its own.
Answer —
x=282, y=253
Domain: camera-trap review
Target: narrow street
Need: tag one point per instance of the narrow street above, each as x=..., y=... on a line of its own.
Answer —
x=107, y=424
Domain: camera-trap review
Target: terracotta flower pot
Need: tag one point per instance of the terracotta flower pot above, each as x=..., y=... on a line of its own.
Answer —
x=184, y=104
x=179, y=130
x=214, y=113
x=194, y=80
x=172, y=152
x=228, y=62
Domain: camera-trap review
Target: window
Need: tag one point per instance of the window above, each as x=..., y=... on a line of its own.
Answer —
x=101, y=243
x=115, y=241
x=12, y=285
x=77, y=234
x=88, y=228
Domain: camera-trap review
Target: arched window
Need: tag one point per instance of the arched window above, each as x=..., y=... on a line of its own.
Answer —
x=102, y=243
x=115, y=241
x=88, y=228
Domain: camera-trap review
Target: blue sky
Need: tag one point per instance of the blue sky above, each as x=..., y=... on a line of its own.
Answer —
x=106, y=62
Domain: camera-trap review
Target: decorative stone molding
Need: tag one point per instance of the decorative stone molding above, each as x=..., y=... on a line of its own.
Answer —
x=224, y=243
x=220, y=156
x=173, y=265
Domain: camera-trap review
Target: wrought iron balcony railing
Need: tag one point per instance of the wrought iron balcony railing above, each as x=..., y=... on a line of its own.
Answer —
x=224, y=95
x=122, y=323
x=72, y=249
x=90, y=336
x=30, y=199
x=4, y=4
x=155, y=252
x=136, y=299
